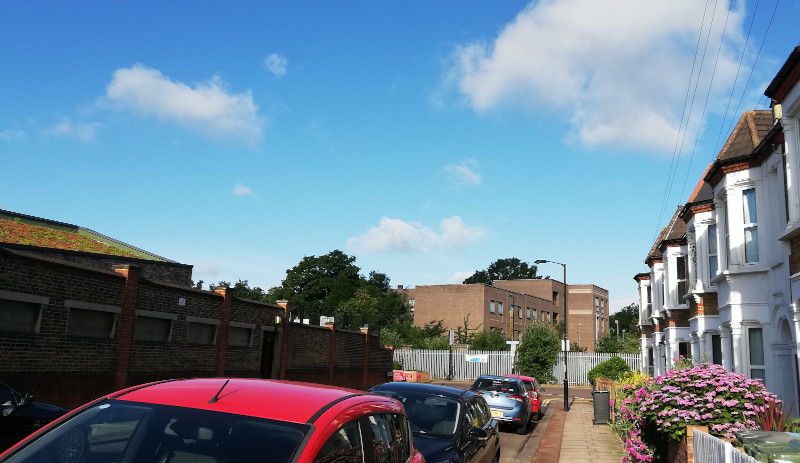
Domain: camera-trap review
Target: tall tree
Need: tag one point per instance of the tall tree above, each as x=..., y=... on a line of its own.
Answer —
x=503, y=269
x=628, y=317
x=538, y=351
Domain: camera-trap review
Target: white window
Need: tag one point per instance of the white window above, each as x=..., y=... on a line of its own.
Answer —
x=500, y=308
x=519, y=311
x=491, y=306
x=750, y=225
x=756, y=353
x=528, y=313
x=20, y=312
x=680, y=271
x=533, y=314
x=727, y=232
x=713, y=263
x=89, y=320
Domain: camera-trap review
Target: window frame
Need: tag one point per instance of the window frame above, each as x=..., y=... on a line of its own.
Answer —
x=750, y=223
x=191, y=320
x=89, y=307
x=33, y=300
x=157, y=315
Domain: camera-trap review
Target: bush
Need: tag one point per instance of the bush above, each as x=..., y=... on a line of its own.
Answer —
x=659, y=410
x=612, y=368
x=538, y=351
x=489, y=340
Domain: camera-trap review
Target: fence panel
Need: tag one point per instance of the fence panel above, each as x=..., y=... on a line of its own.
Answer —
x=708, y=448
x=444, y=364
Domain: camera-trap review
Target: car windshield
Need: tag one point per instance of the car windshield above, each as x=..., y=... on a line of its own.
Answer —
x=498, y=385
x=429, y=415
x=121, y=431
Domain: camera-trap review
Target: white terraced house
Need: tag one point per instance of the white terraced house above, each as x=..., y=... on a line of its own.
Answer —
x=723, y=284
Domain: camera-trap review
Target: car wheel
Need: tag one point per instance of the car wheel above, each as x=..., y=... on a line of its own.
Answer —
x=535, y=417
x=523, y=429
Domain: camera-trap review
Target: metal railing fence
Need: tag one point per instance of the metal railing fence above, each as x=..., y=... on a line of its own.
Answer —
x=455, y=364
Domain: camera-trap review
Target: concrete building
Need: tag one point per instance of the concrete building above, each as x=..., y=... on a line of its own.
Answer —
x=511, y=305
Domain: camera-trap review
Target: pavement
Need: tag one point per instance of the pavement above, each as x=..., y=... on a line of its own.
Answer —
x=572, y=437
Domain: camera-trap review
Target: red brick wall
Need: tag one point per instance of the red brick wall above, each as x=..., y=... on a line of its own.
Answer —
x=68, y=370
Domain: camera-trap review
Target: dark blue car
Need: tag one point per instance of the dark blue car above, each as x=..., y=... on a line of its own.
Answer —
x=508, y=400
x=449, y=424
x=20, y=415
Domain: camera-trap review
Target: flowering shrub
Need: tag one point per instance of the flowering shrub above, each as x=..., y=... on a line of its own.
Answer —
x=706, y=395
x=657, y=410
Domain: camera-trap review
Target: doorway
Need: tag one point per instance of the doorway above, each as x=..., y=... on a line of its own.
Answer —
x=267, y=353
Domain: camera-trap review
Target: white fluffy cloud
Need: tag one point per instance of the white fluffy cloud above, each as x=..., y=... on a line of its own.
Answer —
x=84, y=132
x=207, y=107
x=276, y=64
x=618, y=70
x=401, y=236
x=241, y=190
x=12, y=134
x=464, y=173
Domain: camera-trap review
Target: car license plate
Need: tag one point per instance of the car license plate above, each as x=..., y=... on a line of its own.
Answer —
x=497, y=413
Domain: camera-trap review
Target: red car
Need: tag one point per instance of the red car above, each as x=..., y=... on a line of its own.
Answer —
x=218, y=420
x=533, y=392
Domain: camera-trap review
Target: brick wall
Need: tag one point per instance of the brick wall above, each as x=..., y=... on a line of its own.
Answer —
x=69, y=370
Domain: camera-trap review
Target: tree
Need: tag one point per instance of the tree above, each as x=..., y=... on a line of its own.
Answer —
x=406, y=334
x=538, y=351
x=503, y=269
x=464, y=334
x=611, y=343
x=628, y=317
x=242, y=289
x=489, y=340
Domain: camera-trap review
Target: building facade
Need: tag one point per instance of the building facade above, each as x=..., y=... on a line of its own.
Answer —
x=511, y=305
x=723, y=280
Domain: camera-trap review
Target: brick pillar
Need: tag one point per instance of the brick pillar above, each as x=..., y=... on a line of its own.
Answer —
x=224, y=328
x=690, y=429
x=287, y=314
x=365, y=380
x=127, y=319
x=331, y=353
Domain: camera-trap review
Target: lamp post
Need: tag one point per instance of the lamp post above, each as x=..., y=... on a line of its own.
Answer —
x=579, y=333
x=566, y=328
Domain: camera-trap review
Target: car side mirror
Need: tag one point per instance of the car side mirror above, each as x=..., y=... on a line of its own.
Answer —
x=477, y=434
x=7, y=409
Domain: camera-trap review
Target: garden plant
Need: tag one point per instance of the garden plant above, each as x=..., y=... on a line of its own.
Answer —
x=649, y=413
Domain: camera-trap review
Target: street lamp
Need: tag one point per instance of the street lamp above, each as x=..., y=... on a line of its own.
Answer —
x=566, y=328
x=579, y=333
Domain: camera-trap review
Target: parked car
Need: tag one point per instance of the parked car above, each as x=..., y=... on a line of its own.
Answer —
x=217, y=420
x=533, y=392
x=507, y=399
x=449, y=424
x=20, y=415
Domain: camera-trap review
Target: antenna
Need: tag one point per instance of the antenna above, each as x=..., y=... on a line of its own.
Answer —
x=216, y=396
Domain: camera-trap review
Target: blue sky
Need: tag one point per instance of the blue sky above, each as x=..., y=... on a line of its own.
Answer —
x=427, y=139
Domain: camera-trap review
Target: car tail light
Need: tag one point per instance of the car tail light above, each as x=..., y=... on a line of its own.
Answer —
x=518, y=398
x=534, y=395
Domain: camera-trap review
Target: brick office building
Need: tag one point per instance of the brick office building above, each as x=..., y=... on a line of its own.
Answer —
x=74, y=328
x=511, y=305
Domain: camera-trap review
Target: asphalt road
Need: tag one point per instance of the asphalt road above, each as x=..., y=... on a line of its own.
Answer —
x=515, y=448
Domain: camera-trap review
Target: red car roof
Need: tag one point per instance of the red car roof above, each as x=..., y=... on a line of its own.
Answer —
x=271, y=399
x=526, y=378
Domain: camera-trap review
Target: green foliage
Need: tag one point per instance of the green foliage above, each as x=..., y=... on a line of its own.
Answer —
x=612, y=368
x=489, y=340
x=628, y=317
x=464, y=334
x=405, y=334
x=574, y=347
x=331, y=285
x=241, y=289
x=503, y=269
x=538, y=351
x=613, y=344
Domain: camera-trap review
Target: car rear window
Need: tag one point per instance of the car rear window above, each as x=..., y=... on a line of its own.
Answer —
x=132, y=431
x=498, y=385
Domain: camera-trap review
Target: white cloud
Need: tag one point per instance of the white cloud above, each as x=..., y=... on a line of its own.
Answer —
x=12, y=134
x=618, y=70
x=207, y=107
x=241, y=190
x=464, y=173
x=401, y=236
x=276, y=64
x=459, y=277
x=78, y=131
